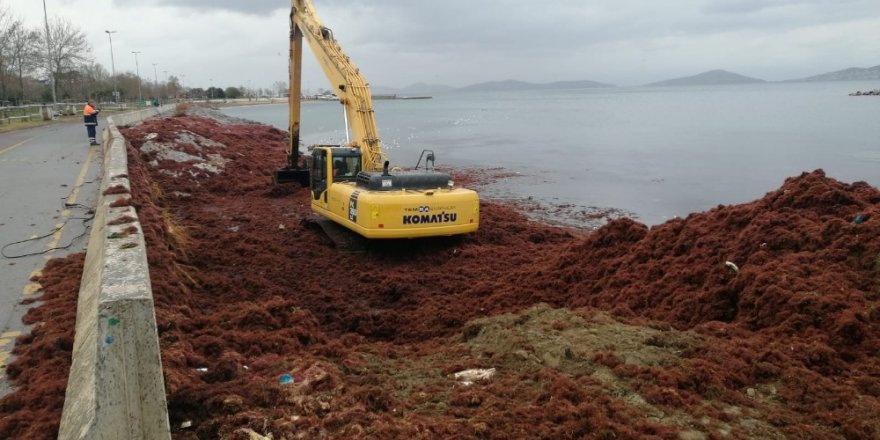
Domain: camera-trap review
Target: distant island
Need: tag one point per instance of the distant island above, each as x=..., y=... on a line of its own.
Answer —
x=851, y=74
x=712, y=77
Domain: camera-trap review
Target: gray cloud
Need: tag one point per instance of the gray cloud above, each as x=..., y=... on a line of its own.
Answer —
x=254, y=7
x=520, y=26
x=397, y=42
x=525, y=27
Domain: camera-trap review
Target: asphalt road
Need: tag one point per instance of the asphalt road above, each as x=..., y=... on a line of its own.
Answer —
x=49, y=180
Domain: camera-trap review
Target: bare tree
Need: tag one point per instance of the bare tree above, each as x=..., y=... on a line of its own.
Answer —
x=173, y=86
x=6, y=24
x=234, y=92
x=68, y=49
x=127, y=83
x=280, y=88
x=96, y=81
x=24, y=54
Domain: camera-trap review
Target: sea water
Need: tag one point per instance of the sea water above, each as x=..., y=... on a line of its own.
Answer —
x=653, y=153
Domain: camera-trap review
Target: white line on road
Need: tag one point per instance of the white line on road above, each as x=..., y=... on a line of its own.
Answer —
x=7, y=149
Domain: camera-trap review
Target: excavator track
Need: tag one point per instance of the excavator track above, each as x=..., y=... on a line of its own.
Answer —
x=339, y=237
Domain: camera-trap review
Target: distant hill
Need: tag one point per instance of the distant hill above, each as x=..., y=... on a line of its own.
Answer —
x=712, y=77
x=510, y=84
x=851, y=74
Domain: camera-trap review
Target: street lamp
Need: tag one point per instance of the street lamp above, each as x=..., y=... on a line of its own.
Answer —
x=138, y=67
x=49, y=59
x=113, y=65
x=156, y=79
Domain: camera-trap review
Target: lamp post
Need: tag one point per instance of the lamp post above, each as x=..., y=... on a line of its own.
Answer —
x=49, y=59
x=156, y=79
x=211, y=88
x=113, y=65
x=138, y=67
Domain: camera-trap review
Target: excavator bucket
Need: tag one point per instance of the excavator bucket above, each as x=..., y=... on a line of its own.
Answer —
x=297, y=169
x=292, y=175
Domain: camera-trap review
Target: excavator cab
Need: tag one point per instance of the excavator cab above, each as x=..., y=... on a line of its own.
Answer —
x=346, y=167
x=332, y=163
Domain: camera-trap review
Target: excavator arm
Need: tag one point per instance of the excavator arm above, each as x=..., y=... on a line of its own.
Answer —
x=344, y=76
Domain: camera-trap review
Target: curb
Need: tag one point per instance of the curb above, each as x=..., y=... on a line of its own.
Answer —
x=116, y=389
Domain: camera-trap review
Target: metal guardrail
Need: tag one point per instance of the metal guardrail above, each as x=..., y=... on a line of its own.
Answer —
x=9, y=115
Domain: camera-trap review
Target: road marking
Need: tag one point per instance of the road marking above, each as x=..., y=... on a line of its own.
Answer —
x=6, y=339
x=71, y=200
x=8, y=149
x=82, y=176
x=31, y=288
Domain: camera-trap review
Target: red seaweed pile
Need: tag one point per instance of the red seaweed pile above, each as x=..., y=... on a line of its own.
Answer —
x=750, y=321
x=43, y=356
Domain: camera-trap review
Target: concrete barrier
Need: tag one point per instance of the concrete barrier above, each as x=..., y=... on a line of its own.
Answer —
x=116, y=389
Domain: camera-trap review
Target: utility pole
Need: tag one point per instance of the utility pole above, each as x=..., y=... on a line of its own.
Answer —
x=113, y=65
x=49, y=58
x=138, y=67
x=211, y=88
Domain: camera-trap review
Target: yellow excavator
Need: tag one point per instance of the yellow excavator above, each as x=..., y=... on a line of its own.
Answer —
x=352, y=184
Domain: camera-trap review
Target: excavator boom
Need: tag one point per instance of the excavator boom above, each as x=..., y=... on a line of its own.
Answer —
x=348, y=83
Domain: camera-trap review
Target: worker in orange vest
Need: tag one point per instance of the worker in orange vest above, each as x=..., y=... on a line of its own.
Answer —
x=90, y=116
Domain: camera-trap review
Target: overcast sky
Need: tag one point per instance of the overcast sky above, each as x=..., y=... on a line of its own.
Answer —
x=459, y=42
